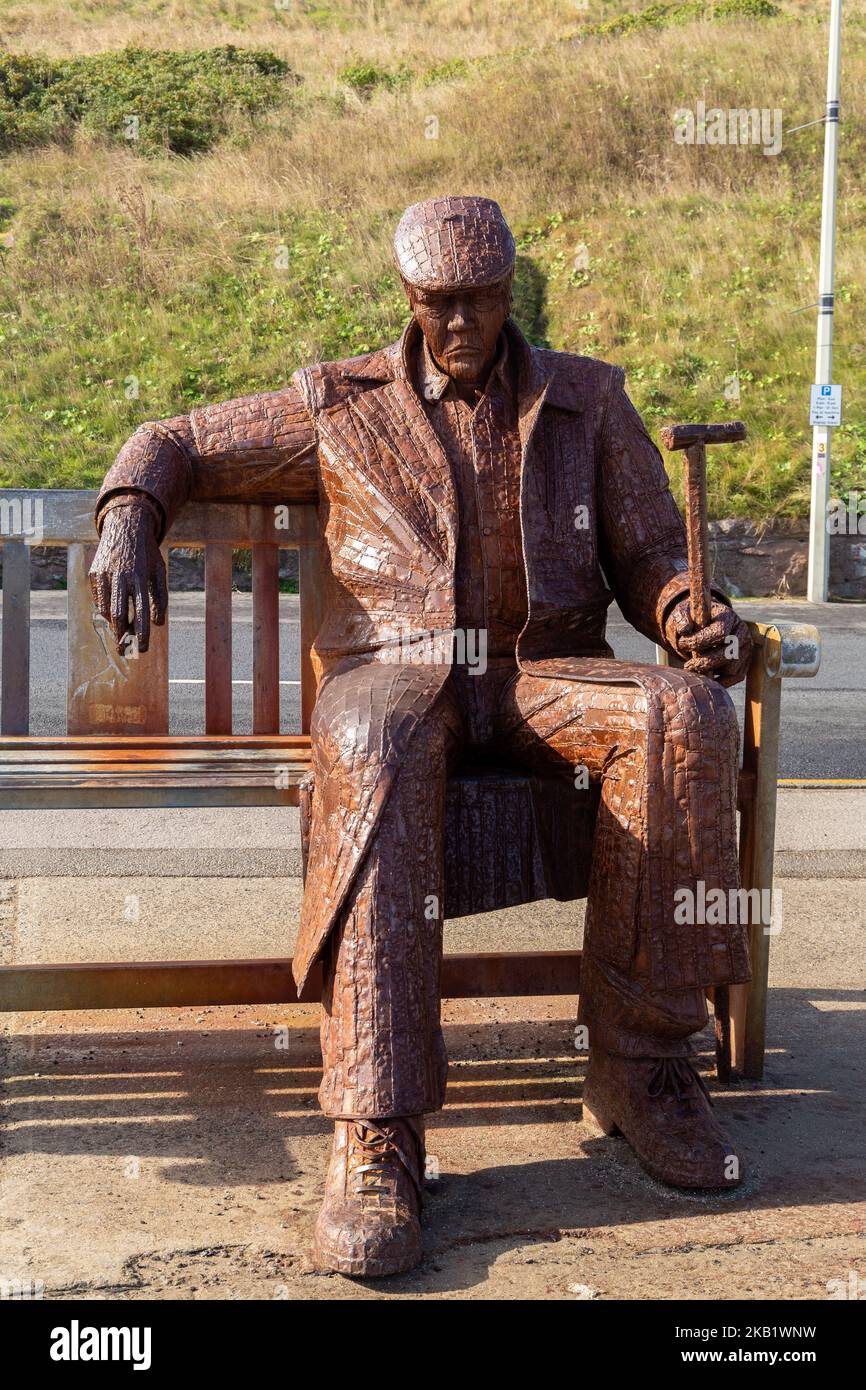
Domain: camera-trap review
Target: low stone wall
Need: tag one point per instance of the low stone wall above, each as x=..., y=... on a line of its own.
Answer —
x=185, y=569
x=755, y=562
x=748, y=560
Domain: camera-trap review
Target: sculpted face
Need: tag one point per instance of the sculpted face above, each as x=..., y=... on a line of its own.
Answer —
x=462, y=327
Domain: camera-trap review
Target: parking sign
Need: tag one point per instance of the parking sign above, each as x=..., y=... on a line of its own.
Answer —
x=826, y=405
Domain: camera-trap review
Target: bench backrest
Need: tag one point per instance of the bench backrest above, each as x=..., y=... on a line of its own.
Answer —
x=112, y=694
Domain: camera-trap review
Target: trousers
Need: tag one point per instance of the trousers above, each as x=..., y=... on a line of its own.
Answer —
x=665, y=753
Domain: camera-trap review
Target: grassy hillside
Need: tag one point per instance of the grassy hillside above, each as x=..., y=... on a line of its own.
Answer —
x=246, y=231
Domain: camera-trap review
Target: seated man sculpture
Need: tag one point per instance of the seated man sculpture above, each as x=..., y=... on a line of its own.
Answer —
x=469, y=483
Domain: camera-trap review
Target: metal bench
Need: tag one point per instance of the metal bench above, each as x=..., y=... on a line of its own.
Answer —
x=117, y=752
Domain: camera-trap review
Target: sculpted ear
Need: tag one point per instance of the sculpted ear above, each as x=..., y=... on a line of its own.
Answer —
x=409, y=291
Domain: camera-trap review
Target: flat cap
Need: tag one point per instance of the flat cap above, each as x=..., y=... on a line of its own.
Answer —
x=447, y=243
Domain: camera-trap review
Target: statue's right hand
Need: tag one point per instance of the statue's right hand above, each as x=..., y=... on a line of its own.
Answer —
x=127, y=577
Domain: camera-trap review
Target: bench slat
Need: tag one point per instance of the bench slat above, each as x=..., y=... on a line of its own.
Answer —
x=156, y=771
x=79, y=796
x=266, y=640
x=67, y=517
x=312, y=603
x=170, y=742
x=171, y=984
x=121, y=775
x=150, y=757
x=218, y=639
x=153, y=758
x=15, y=706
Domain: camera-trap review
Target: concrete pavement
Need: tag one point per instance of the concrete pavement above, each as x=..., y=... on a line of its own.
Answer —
x=819, y=830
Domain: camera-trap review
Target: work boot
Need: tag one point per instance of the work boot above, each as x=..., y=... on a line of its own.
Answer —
x=369, y=1224
x=662, y=1107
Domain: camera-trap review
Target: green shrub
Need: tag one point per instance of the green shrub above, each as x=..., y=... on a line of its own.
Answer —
x=33, y=105
x=662, y=15
x=157, y=100
x=448, y=71
x=744, y=9
x=366, y=78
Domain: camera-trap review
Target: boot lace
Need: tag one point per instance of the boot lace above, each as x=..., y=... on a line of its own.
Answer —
x=676, y=1077
x=372, y=1150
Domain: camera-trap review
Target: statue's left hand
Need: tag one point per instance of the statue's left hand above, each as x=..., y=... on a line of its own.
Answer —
x=127, y=577
x=722, y=649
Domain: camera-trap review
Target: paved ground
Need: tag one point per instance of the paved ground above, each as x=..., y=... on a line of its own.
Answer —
x=180, y=1153
x=821, y=728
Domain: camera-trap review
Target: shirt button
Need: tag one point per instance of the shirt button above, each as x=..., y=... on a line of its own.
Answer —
x=487, y=531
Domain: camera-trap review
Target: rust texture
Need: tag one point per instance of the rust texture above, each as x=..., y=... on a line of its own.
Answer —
x=482, y=502
x=684, y=436
x=694, y=440
x=697, y=534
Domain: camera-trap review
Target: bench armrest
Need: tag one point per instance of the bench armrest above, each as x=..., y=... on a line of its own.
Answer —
x=789, y=649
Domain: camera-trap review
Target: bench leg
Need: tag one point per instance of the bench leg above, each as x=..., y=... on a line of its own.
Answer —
x=748, y=1003
x=722, y=1016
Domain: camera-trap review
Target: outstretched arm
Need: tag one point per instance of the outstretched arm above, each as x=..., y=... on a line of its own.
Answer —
x=256, y=449
x=645, y=554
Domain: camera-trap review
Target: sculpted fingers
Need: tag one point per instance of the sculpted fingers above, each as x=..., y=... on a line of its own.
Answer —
x=127, y=577
x=679, y=622
x=738, y=649
x=707, y=663
x=119, y=612
x=142, y=613
x=727, y=661
x=100, y=588
x=158, y=589
x=713, y=635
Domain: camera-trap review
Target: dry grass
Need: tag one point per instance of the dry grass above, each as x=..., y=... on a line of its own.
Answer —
x=318, y=37
x=697, y=255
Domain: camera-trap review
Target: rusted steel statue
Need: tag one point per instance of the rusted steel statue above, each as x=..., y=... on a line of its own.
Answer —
x=472, y=485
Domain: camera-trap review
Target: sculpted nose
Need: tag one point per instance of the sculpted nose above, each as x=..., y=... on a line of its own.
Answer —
x=459, y=318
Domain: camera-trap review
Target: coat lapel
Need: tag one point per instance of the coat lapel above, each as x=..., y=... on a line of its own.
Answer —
x=394, y=414
x=529, y=406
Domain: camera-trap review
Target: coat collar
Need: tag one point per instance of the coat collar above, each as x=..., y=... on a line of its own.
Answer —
x=538, y=383
x=537, y=368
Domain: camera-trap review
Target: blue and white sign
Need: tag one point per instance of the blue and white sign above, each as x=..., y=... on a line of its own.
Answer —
x=825, y=407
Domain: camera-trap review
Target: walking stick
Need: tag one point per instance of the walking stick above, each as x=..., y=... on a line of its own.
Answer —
x=694, y=440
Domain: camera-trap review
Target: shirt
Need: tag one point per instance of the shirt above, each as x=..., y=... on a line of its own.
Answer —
x=481, y=441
